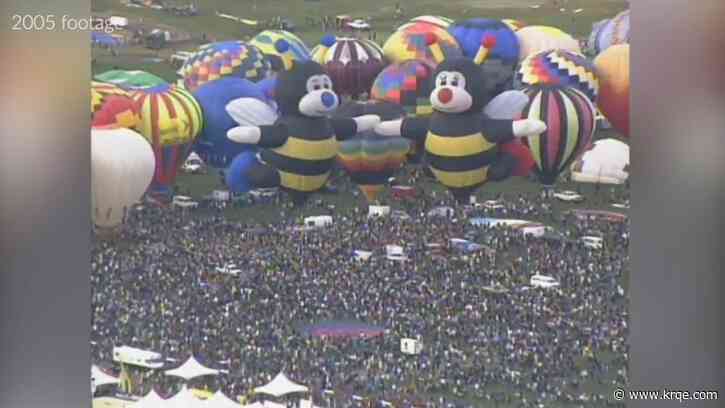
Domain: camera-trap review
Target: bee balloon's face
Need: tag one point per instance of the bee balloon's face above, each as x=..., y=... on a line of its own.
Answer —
x=320, y=99
x=450, y=94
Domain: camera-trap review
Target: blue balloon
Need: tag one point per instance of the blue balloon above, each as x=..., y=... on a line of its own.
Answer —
x=236, y=175
x=212, y=145
x=471, y=33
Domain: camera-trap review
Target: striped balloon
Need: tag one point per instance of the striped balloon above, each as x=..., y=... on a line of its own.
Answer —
x=351, y=63
x=570, y=119
x=221, y=59
x=283, y=45
x=371, y=160
x=112, y=106
x=615, y=31
x=559, y=67
x=171, y=120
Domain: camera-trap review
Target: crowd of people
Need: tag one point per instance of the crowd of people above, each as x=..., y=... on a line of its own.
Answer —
x=155, y=287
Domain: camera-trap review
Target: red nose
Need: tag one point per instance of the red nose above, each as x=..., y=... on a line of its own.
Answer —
x=445, y=95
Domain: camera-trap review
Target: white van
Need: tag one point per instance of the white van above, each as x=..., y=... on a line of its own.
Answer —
x=592, y=242
x=542, y=281
x=378, y=211
x=318, y=221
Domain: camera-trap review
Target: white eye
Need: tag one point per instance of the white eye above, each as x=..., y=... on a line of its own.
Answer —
x=458, y=80
x=314, y=83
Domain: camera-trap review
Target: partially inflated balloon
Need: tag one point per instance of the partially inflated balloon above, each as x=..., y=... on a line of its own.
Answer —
x=170, y=120
x=112, y=106
x=281, y=47
x=130, y=80
x=535, y=39
x=471, y=33
x=613, y=68
x=122, y=166
x=216, y=99
x=423, y=42
x=229, y=58
x=607, y=162
x=570, y=119
x=371, y=159
x=559, y=67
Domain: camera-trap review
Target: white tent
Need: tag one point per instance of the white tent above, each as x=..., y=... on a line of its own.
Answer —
x=606, y=163
x=183, y=399
x=99, y=378
x=219, y=400
x=281, y=386
x=151, y=400
x=191, y=369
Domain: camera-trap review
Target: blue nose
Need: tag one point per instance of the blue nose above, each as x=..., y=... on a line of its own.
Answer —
x=328, y=99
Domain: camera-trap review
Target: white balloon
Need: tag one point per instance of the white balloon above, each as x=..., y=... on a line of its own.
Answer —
x=122, y=167
x=605, y=163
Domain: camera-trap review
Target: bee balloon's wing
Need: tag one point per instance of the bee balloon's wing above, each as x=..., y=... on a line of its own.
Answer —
x=251, y=112
x=508, y=105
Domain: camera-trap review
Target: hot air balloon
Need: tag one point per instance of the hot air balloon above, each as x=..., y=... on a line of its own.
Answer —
x=423, y=42
x=613, y=68
x=559, y=67
x=351, y=63
x=122, y=168
x=130, y=80
x=535, y=39
x=370, y=160
x=470, y=33
x=170, y=120
x=281, y=48
x=515, y=25
x=438, y=21
x=592, y=40
x=606, y=162
x=112, y=106
x=228, y=58
x=612, y=32
x=221, y=101
x=408, y=84
x=570, y=119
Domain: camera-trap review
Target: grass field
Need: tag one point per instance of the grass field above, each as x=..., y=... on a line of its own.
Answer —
x=381, y=13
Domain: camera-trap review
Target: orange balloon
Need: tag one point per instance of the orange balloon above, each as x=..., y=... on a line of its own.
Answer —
x=613, y=68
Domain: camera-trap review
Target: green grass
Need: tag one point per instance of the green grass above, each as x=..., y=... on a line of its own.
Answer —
x=381, y=12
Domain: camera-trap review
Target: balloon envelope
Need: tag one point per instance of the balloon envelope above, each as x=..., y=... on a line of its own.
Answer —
x=122, y=166
x=535, y=39
x=170, y=120
x=612, y=32
x=283, y=45
x=560, y=67
x=606, y=162
x=112, y=106
x=423, y=42
x=352, y=64
x=438, y=21
x=228, y=58
x=130, y=79
x=570, y=119
x=470, y=33
x=613, y=68
x=408, y=84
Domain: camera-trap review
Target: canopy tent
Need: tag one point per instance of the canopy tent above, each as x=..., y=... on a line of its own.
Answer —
x=99, y=377
x=281, y=386
x=219, y=400
x=151, y=400
x=191, y=369
x=183, y=399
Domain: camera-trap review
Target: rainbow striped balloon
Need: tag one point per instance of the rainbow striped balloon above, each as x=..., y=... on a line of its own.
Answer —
x=560, y=67
x=170, y=120
x=570, y=118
